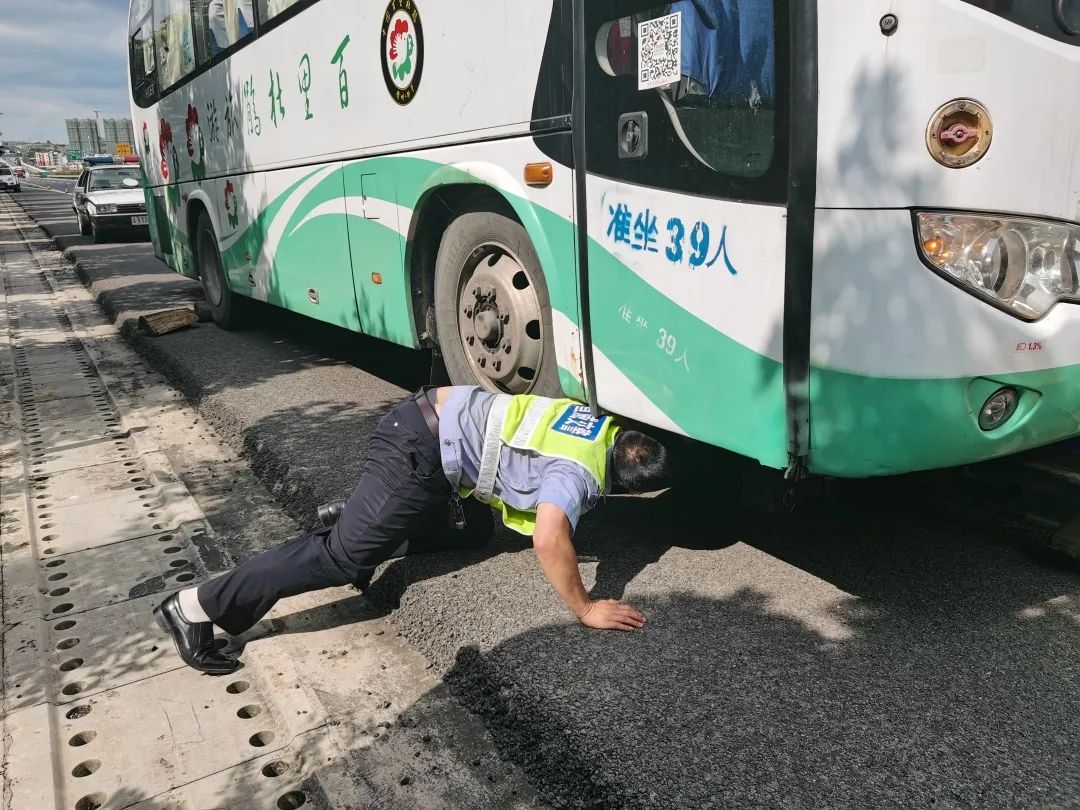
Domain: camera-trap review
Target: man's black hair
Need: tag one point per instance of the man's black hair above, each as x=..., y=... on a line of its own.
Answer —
x=639, y=463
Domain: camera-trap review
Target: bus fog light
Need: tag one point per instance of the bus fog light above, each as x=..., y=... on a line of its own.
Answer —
x=998, y=408
x=1020, y=264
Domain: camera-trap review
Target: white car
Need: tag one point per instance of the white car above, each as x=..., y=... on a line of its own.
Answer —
x=110, y=200
x=9, y=181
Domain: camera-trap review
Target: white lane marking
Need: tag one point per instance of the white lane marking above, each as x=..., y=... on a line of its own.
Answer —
x=46, y=188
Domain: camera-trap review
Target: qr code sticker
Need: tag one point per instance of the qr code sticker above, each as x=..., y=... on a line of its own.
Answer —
x=660, y=51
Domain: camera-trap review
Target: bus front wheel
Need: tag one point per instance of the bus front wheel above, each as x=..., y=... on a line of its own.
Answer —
x=492, y=309
x=226, y=307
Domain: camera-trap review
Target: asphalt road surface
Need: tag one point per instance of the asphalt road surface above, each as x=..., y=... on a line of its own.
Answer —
x=878, y=647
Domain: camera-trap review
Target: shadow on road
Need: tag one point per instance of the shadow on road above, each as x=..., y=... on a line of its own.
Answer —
x=870, y=651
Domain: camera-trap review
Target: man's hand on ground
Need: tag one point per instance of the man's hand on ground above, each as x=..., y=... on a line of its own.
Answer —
x=610, y=614
x=551, y=542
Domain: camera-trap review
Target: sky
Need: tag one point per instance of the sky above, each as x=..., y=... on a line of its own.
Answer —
x=60, y=59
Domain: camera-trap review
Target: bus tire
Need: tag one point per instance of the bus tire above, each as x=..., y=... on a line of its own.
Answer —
x=492, y=309
x=226, y=307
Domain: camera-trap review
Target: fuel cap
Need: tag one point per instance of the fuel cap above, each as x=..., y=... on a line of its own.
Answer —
x=959, y=133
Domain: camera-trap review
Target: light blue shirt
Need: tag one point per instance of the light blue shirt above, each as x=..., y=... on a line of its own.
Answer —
x=524, y=480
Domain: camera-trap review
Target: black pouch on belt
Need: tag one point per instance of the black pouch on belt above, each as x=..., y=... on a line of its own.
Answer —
x=456, y=517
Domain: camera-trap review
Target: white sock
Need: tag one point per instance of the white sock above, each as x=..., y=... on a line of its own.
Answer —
x=190, y=607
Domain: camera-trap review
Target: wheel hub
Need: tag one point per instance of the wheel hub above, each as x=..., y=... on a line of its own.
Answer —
x=499, y=321
x=486, y=324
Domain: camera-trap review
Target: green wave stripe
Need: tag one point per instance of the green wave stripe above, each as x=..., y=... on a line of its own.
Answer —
x=869, y=426
x=724, y=393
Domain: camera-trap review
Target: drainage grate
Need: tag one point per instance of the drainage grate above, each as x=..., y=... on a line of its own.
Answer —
x=96, y=529
x=119, y=572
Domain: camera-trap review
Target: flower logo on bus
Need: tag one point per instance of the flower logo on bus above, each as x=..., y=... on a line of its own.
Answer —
x=164, y=142
x=146, y=142
x=231, y=210
x=402, y=49
x=196, y=149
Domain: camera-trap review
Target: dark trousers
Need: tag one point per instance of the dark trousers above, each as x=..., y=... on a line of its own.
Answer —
x=399, y=507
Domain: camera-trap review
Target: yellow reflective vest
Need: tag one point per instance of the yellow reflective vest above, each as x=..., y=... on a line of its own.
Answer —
x=556, y=428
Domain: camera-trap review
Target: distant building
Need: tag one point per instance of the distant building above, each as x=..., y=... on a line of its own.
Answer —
x=83, y=135
x=47, y=160
x=118, y=131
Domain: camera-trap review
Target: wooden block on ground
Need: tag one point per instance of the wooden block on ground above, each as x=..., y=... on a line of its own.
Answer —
x=161, y=323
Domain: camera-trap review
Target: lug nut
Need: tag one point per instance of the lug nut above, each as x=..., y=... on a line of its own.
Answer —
x=506, y=348
x=470, y=340
x=505, y=319
x=483, y=362
x=498, y=365
x=468, y=312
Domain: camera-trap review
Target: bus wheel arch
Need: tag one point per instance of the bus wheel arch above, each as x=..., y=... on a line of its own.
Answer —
x=434, y=211
x=195, y=209
x=489, y=296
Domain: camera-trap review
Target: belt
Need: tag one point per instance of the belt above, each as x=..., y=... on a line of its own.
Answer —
x=430, y=417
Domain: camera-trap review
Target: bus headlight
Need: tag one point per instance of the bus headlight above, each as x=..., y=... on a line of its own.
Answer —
x=1022, y=265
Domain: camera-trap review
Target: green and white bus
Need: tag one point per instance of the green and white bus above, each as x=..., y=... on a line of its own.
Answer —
x=831, y=236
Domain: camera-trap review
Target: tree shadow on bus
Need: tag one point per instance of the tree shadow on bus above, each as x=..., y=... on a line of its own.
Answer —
x=875, y=307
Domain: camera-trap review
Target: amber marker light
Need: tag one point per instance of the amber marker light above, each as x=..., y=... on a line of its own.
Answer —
x=538, y=175
x=377, y=278
x=932, y=246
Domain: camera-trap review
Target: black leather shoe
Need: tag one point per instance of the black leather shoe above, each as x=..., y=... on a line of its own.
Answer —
x=194, y=640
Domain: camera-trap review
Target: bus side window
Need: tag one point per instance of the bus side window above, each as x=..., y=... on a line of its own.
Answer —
x=174, y=41
x=710, y=77
x=268, y=9
x=721, y=106
x=143, y=63
x=220, y=25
